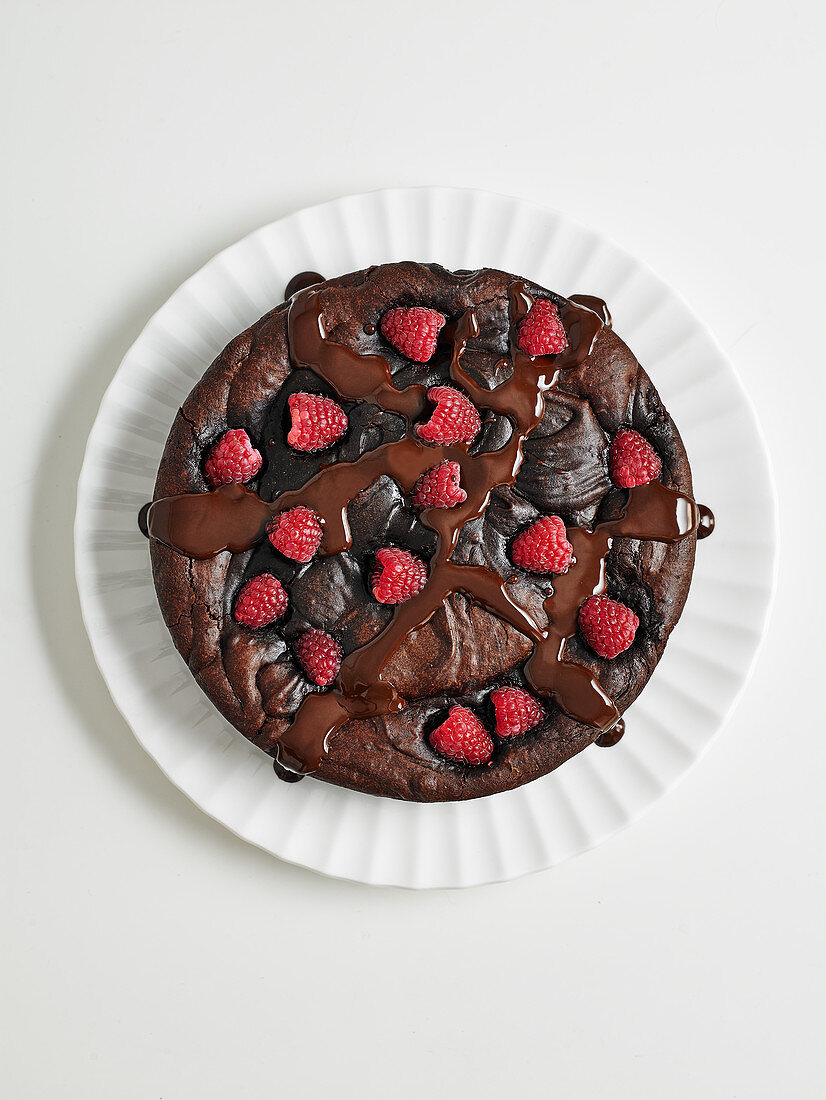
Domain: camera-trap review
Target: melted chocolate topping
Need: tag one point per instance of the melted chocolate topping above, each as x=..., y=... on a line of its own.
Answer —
x=201, y=525
x=596, y=305
x=234, y=518
x=302, y=281
x=612, y=736
x=706, y=525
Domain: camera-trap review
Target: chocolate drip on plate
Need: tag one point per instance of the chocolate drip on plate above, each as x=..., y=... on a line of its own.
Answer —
x=612, y=736
x=302, y=281
x=706, y=524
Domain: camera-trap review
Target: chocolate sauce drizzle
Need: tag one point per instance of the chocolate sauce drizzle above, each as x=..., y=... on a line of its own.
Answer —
x=302, y=281
x=596, y=305
x=234, y=518
x=613, y=736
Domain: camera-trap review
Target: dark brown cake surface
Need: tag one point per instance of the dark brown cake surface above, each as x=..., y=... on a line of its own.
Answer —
x=465, y=650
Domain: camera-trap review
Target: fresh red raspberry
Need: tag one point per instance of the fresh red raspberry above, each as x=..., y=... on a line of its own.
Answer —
x=516, y=711
x=439, y=487
x=296, y=533
x=233, y=458
x=543, y=548
x=319, y=655
x=541, y=332
x=413, y=331
x=454, y=420
x=607, y=626
x=261, y=601
x=317, y=422
x=632, y=460
x=399, y=576
x=463, y=738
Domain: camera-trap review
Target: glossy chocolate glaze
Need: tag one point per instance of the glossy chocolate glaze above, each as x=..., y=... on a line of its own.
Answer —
x=595, y=304
x=302, y=281
x=234, y=518
x=706, y=524
x=612, y=736
x=201, y=525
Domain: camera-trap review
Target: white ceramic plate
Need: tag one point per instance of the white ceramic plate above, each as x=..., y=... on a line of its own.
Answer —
x=373, y=840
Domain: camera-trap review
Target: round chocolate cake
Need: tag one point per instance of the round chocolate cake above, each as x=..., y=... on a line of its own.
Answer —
x=424, y=533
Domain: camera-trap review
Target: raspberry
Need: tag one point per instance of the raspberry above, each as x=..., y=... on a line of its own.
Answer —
x=400, y=575
x=516, y=711
x=542, y=332
x=412, y=331
x=463, y=738
x=233, y=458
x=543, y=548
x=632, y=460
x=261, y=601
x=454, y=420
x=296, y=533
x=317, y=422
x=319, y=655
x=439, y=487
x=607, y=626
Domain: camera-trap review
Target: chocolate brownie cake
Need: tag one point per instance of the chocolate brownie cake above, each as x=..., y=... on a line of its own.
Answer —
x=424, y=533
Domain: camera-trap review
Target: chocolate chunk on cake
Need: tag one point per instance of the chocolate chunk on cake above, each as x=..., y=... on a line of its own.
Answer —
x=424, y=533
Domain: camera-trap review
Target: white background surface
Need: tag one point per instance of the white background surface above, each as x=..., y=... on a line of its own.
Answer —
x=151, y=954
